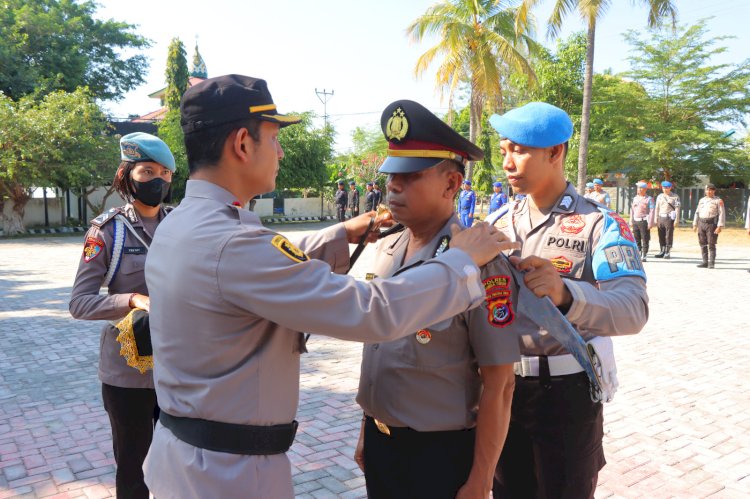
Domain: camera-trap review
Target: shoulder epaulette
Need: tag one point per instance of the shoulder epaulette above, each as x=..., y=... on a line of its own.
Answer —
x=105, y=217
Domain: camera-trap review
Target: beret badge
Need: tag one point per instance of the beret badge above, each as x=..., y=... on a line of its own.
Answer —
x=397, y=126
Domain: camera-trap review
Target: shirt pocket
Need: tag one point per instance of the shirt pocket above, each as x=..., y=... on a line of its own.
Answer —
x=431, y=349
x=567, y=263
x=132, y=264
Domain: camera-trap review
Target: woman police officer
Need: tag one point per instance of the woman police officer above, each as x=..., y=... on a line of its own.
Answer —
x=114, y=256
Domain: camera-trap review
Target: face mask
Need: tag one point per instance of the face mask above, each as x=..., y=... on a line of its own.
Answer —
x=151, y=193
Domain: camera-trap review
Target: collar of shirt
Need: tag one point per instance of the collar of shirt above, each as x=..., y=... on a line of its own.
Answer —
x=208, y=190
x=398, y=248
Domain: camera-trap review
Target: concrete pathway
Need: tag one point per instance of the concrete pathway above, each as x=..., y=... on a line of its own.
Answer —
x=679, y=426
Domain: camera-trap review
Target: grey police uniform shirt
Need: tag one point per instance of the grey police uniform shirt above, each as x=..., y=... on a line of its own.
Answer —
x=86, y=301
x=605, y=303
x=229, y=298
x=666, y=204
x=429, y=380
x=709, y=208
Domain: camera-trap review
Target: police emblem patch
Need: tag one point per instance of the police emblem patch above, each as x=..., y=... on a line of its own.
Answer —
x=572, y=224
x=397, y=126
x=288, y=249
x=92, y=248
x=423, y=336
x=497, y=295
x=562, y=264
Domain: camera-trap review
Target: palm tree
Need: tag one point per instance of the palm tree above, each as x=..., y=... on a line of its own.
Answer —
x=477, y=39
x=590, y=11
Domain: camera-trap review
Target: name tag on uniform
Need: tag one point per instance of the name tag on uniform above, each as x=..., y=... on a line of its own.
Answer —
x=134, y=250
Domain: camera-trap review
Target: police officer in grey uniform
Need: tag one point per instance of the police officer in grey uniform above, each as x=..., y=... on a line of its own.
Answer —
x=439, y=398
x=230, y=297
x=667, y=217
x=584, y=258
x=113, y=256
x=642, y=218
x=709, y=220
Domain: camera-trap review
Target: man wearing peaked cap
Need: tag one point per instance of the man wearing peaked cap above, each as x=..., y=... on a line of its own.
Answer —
x=452, y=416
x=667, y=212
x=229, y=299
x=709, y=220
x=584, y=258
x=642, y=217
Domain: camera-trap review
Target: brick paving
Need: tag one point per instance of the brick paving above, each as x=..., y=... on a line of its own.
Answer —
x=679, y=426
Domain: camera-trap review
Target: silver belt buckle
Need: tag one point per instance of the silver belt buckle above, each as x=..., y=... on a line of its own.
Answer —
x=522, y=368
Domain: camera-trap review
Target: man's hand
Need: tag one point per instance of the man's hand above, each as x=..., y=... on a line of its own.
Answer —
x=543, y=280
x=748, y=232
x=473, y=491
x=359, y=451
x=717, y=230
x=695, y=228
x=140, y=301
x=356, y=227
x=482, y=242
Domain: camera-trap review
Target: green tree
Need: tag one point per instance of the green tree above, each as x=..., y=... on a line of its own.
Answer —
x=58, y=141
x=477, y=38
x=692, y=104
x=306, y=153
x=169, y=129
x=48, y=45
x=590, y=12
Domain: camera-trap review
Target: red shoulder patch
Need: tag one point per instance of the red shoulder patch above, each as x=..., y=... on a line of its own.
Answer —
x=92, y=248
x=499, y=306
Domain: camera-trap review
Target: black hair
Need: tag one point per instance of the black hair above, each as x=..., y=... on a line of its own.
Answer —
x=205, y=147
x=121, y=183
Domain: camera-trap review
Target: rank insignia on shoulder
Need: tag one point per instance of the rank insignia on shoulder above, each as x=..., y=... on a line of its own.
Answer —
x=443, y=244
x=423, y=336
x=92, y=248
x=105, y=217
x=288, y=249
x=370, y=276
x=565, y=203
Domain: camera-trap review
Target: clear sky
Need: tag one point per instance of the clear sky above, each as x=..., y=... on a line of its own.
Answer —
x=357, y=49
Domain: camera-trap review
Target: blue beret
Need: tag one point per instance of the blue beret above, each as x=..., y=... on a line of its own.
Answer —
x=590, y=184
x=537, y=124
x=467, y=182
x=340, y=182
x=598, y=181
x=139, y=146
x=497, y=184
x=369, y=183
x=352, y=182
x=666, y=183
x=642, y=185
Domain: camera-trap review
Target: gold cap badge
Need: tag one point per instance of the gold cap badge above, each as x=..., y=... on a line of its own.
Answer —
x=397, y=126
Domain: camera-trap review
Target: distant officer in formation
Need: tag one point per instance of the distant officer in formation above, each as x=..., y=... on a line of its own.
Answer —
x=667, y=217
x=599, y=194
x=437, y=400
x=229, y=298
x=589, y=189
x=467, y=201
x=378, y=193
x=113, y=257
x=342, y=199
x=709, y=219
x=584, y=258
x=499, y=198
x=370, y=204
x=353, y=199
x=642, y=218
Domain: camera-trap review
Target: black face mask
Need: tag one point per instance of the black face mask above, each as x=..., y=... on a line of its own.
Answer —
x=151, y=193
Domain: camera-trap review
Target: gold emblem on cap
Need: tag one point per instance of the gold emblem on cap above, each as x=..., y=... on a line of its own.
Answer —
x=397, y=126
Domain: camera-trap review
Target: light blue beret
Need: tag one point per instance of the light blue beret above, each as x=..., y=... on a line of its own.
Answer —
x=537, y=124
x=598, y=181
x=642, y=185
x=467, y=182
x=666, y=183
x=497, y=184
x=590, y=185
x=139, y=146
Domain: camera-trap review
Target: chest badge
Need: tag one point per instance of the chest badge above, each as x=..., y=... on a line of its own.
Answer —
x=562, y=264
x=573, y=224
x=423, y=336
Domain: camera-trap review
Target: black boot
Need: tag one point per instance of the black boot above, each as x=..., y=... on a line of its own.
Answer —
x=704, y=253
x=667, y=256
x=711, y=258
x=643, y=255
x=661, y=253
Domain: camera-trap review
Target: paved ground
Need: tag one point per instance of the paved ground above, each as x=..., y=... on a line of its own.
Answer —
x=679, y=427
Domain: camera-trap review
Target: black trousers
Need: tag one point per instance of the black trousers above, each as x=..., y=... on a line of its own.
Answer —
x=416, y=465
x=355, y=211
x=341, y=212
x=665, y=228
x=132, y=414
x=642, y=234
x=706, y=235
x=554, y=445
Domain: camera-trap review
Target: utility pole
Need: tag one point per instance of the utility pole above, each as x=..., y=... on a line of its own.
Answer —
x=324, y=98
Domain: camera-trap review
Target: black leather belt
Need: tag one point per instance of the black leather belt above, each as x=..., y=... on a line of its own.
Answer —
x=232, y=438
x=711, y=220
